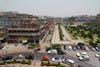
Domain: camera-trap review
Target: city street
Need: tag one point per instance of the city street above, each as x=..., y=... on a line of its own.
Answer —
x=39, y=55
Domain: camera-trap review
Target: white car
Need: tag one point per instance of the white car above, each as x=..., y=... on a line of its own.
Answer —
x=87, y=49
x=56, y=59
x=78, y=54
x=5, y=47
x=83, y=53
x=70, y=61
x=52, y=51
x=84, y=58
x=81, y=58
x=97, y=55
x=70, y=48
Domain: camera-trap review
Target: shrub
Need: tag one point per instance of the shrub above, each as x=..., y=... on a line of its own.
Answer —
x=30, y=47
x=53, y=64
x=48, y=63
x=42, y=63
x=26, y=62
x=33, y=45
x=16, y=61
x=2, y=63
x=55, y=46
x=45, y=63
x=10, y=61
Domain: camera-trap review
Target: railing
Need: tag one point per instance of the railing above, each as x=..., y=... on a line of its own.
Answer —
x=28, y=34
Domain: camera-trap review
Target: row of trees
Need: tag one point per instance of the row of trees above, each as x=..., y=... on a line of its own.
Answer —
x=60, y=32
x=86, y=31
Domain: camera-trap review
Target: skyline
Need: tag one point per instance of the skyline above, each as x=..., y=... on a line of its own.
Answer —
x=56, y=8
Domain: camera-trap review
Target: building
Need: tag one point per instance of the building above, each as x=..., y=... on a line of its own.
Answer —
x=24, y=28
x=15, y=19
x=98, y=18
x=29, y=31
x=2, y=33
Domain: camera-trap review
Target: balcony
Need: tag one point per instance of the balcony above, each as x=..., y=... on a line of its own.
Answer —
x=24, y=34
x=23, y=29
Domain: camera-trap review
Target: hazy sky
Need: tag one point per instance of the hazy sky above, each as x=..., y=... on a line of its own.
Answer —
x=52, y=7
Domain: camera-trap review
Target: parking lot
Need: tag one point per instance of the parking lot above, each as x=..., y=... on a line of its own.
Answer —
x=93, y=60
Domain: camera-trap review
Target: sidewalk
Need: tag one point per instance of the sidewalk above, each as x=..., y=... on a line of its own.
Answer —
x=66, y=35
x=56, y=37
x=13, y=49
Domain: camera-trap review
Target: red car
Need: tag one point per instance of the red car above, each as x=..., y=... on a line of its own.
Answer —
x=45, y=58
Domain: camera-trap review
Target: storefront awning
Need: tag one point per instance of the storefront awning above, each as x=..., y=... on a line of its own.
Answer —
x=24, y=41
x=23, y=38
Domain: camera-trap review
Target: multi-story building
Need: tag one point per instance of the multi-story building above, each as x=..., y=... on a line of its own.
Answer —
x=24, y=27
x=28, y=31
x=14, y=19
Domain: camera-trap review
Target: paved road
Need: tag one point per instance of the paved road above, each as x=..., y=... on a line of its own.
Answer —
x=38, y=55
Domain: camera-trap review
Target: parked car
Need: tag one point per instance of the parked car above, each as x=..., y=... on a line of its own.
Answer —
x=74, y=48
x=65, y=60
x=97, y=48
x=20, y=56
x=55, y=59
x=65, y=48
x=84, y=58
x=7, y=58
x=52, y=51
x=30, y=57
x=60, y=52
x=45, y=58
x=83, y=53
x=47, y=49
x=78, y=48
x=97, y=55
x=70, y=48
x=5, y=47
x=78, y=54
x=91, y=48
x=86, y=48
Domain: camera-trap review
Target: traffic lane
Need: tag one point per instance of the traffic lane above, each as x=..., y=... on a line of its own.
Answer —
x=37, y=56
